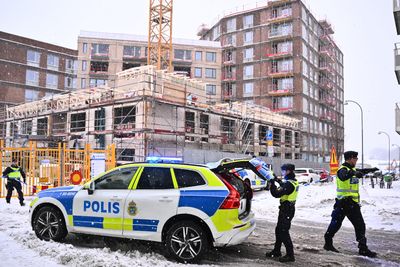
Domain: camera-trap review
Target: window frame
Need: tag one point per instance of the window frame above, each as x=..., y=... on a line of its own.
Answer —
x=115, y=171
x=184, y=169
x=152, y=167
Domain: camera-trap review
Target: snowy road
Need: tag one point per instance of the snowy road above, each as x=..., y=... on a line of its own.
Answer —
x=20, y=247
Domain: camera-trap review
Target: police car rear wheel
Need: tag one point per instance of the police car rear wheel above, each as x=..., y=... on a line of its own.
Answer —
x=186, y=241
x=49, y=224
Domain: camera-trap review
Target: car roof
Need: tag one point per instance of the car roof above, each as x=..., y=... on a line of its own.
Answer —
x=155, y=164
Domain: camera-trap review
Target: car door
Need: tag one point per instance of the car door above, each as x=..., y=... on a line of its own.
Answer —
x=152, y=201
x=100, y=210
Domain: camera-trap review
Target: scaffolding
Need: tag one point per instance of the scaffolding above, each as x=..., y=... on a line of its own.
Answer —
x=148, y=112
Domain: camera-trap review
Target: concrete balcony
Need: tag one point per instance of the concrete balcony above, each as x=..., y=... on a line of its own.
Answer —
x=397, y=61
x=396, y=13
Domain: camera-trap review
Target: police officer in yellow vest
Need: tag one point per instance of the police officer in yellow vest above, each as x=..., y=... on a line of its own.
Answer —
x=287, y=192
x=348, y=204
x=14, y=173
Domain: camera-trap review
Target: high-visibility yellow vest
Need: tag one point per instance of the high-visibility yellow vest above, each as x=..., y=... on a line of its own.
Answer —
x=292, y=196
x=348, y=188
x=15, y=174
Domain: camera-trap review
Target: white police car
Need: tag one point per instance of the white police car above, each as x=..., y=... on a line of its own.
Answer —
x=188, y=207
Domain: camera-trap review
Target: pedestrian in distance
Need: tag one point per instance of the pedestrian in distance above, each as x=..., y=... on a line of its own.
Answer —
x=348, y=204
x=287, y=192
x=14, y=173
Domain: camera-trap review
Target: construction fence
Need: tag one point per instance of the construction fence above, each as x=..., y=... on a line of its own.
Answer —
x=52, y=167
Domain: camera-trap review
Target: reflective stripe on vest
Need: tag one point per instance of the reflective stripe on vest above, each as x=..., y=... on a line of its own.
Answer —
x=348, y=188
x=15, y=174
x=292, y=196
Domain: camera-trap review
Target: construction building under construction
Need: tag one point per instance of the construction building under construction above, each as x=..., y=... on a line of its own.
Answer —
x=154, y=113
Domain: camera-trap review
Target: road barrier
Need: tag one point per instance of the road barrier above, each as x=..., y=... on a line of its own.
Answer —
x=52, y=167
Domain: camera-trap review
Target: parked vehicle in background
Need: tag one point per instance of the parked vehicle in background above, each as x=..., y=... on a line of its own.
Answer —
x=324, y=175
x=306, y=175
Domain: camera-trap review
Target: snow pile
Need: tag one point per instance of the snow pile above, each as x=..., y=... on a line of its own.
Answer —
x=19, y=245
x=380, y=207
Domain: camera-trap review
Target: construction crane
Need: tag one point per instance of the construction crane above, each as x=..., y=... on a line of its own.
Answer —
x=160, y=34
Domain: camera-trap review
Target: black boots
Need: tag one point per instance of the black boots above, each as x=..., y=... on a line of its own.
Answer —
x=287, y=258
x=366, y=252
x=278, y=254
x=329, y=245
x=273, y=254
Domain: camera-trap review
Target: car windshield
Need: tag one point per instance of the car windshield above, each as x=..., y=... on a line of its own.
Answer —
x=300, y=171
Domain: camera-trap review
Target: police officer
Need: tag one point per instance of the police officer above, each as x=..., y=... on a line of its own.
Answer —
x=14, y=173
x=287, y=192
x=347, y=204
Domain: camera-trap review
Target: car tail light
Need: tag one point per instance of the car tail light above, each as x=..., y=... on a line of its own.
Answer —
x=232, y=201
x=305, y=174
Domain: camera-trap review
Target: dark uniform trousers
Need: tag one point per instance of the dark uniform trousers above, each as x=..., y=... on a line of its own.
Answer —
x=11, y=184
x=286, y=214
x=350, y=209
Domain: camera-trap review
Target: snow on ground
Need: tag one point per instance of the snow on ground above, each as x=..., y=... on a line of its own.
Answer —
x=19, y=246
x=380, y=207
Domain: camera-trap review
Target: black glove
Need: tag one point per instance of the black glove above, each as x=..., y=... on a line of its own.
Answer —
x=359, y=174
x=375, y=169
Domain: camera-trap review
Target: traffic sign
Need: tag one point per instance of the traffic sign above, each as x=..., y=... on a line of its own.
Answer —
x=334, y=164
x=269, y=135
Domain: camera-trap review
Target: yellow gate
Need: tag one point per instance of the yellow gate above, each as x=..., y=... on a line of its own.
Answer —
x=50, y=167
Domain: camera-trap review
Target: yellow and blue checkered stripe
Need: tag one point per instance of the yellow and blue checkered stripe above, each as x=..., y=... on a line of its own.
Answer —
x=116, y=223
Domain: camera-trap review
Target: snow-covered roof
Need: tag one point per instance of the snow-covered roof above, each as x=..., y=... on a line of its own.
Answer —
x=143, y=38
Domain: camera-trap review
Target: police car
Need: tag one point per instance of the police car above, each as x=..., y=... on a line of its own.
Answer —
x=188, y=207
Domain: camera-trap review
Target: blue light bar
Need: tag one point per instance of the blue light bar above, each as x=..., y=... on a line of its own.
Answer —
x=163, y=160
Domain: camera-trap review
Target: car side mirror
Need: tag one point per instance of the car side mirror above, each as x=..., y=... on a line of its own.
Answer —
x=91, y=188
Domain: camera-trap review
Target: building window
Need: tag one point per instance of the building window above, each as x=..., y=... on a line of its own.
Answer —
x=204, y=123
x=32, y=77
x=48, y=95
x=26, y=127
x=31, y=95
x=70, y=65
x=83, y=83
x=70, y=82
x=182, y=54
x=197, y=72
x=52, y=62
x=198, y=56
x=51, y=81
x=124, y=118
x=42, y=126
x=98, y=66
x=211, y=73
x=282, y=103
x=248, y=71
x=132, y=51
x=100, y=120
x=248, y=37
x=100, y=49
x=248, y=89
x=228, y=131
x=84, y=48
x=231, y=25
x=127, y=65
x=248, y=54
x=84, y=65
x=248, y=21
x=126, y=154
x=189, y=122
x=33, y=58
x=211, y=57
x=97, y=82
x=78, y=122
x=211, y=89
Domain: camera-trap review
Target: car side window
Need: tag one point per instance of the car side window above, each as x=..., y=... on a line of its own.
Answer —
x=155, y=178
x=118, y=179
x=188, y=178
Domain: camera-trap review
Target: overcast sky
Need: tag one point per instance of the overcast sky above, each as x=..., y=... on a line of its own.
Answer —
x=365, y=32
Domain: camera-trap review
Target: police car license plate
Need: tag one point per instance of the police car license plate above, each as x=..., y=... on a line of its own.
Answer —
x=243, y=205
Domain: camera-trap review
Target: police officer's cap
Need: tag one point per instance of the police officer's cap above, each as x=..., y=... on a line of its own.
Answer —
x=288, y=167
x=350, y=154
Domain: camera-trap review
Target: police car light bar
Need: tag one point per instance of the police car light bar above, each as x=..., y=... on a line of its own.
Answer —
x=163, y=160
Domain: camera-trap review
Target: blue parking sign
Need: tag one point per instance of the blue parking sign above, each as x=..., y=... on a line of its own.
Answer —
x=269, y=135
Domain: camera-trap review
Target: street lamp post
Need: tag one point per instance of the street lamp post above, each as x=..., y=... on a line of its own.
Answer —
x=346, y=102
x=398, y=165
x=382, y=132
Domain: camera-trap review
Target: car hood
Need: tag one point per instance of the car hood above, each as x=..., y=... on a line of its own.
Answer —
x=60, y=189
x=258, y=166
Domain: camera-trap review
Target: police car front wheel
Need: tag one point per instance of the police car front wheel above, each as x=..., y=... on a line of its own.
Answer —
x=186, y=241
x=49, y=224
